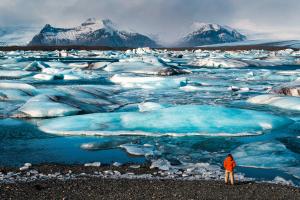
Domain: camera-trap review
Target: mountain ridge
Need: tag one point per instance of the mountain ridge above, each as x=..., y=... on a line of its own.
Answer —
x=209, y=33
x=90, y=33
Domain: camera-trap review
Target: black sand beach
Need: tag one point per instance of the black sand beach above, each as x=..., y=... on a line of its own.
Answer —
x=87, y=187
x=98, y=188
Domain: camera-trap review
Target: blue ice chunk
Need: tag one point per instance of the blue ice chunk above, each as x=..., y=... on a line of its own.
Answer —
x=176, y=121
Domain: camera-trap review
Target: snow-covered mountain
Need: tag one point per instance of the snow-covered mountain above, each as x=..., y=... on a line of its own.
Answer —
x=92, y=32
x=205, y=34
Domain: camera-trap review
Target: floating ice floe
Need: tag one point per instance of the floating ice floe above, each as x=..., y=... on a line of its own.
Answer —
x=48, y=77
x=190, y=88
x=175, y=121
x=14, y=95
x=45, y=106
x=218, y=62
x=270, y=62
x=292, y=89
x=240, y=89
x=29, y=89
x=96, y=65
x=238, y=61
x=36, y=66
x=265, y=155
x=140, y=51
x=149, y=106
x=14, y=74
x=283, y=102
x=133, y=67
x=148, y=82
x=143, y=65
x=138, y=150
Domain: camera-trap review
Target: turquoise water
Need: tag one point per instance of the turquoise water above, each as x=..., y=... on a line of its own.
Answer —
x=191, y=118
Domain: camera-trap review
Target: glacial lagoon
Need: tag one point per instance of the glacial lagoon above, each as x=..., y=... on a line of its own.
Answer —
x=172, y=109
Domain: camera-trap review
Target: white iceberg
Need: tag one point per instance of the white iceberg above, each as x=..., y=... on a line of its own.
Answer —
x=36, y=66
x=148, y=82
x=218, y=62
x=283, y=102
x=149, y=106
x=16, y=74
x=43, y=106
x=48, y=77
x=31, y=90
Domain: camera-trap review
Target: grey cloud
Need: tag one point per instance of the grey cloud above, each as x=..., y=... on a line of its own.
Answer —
x=168, y=18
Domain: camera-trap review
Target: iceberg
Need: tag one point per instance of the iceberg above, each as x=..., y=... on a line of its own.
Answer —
x=218, y=62
x=14, y=95
x=148, y=82
x=149, y=106
x=31, y=90
x=264, y=155
x=133, y=67
x=138, y=150
x=97, y=65
x=283, y=102
x=143, y=65
x=36, y=66
x=292, y=89
x=174, y=121
x=44, y=106
x=48, y=77
x=14, y=74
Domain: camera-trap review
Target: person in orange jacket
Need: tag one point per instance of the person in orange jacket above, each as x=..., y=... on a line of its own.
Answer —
x=229, y=165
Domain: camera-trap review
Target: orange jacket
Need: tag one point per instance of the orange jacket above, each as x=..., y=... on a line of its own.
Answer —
x=229, y=164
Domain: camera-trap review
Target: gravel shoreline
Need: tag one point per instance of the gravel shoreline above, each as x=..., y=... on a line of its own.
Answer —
x=126, y=182
x=99, y=188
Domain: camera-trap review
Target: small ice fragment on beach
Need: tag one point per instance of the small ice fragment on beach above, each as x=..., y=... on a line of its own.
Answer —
x=94, y=164
x=134, y=166
x=108, y=172
x=117, y=164
x=161, y=164
x=26, y=166
x=23, y=168
x=33, y=171
x=282, y=181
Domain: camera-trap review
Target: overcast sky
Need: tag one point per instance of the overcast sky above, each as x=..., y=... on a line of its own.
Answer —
x=170, y=19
